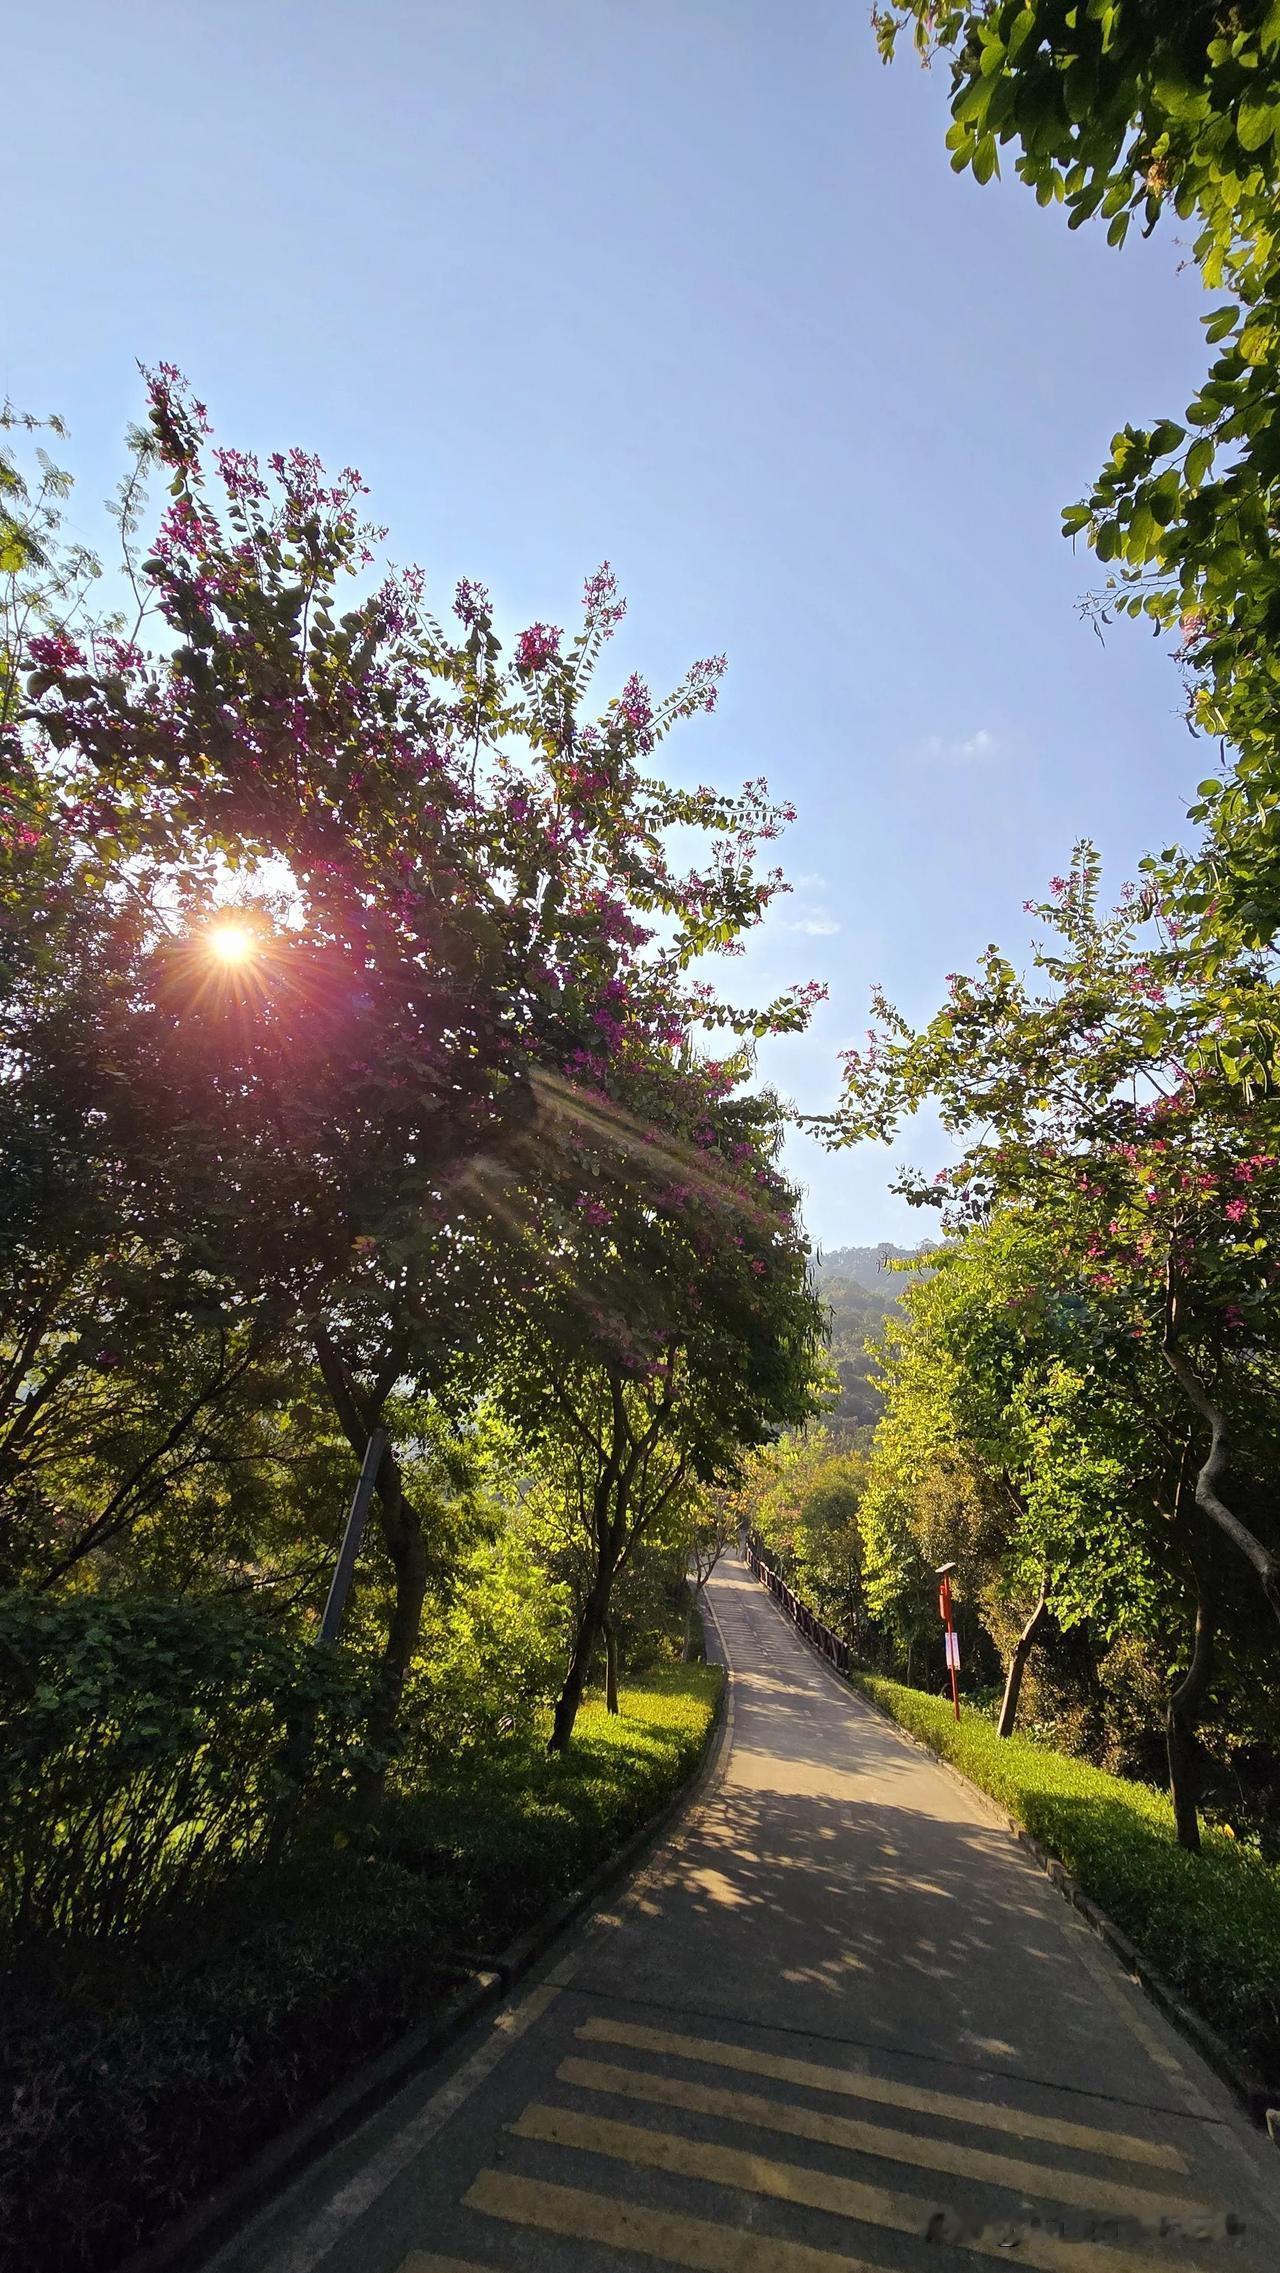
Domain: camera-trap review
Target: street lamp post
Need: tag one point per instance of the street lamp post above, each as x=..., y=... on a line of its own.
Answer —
x=344, y=1568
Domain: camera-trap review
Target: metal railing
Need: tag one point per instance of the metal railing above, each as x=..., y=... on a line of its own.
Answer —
x=822, y=1637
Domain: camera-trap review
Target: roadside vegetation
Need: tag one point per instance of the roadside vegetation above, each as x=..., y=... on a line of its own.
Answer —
x=368, y=1105
x=140, y=2072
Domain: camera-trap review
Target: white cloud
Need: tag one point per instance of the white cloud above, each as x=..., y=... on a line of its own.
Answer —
x=980, y=744
x=814, y=927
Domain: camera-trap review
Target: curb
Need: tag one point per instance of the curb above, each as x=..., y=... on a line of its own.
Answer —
x=1244, y=2080
x=193, y=2236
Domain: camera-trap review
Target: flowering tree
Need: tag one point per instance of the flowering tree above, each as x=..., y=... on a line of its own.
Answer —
x=398, y=903
x=1104, y=1103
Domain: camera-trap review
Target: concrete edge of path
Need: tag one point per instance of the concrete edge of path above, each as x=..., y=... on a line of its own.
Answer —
x=1241, y=2078
x=194, y=2235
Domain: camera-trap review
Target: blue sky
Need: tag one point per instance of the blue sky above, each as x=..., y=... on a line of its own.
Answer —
x=688, y=284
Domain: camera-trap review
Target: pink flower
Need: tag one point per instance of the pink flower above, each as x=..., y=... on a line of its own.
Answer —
x=636, y=705
x=604, y=609
x=537, y=646
x=55, y=652
x=1236, y=1210
x=471, y=601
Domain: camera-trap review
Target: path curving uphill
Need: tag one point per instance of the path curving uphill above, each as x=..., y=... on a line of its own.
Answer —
x=840, y=2023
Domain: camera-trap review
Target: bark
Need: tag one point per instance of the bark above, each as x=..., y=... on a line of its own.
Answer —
x=407, y=1549
x=688, y=1626
x=586, y=1642
x=1212, y=1475
x=1026, y=1642
x=1184, y=1710
x=611, y=1704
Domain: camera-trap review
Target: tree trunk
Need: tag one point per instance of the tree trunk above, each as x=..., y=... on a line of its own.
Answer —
x=402, y=1534
x=1026, y=1642
x=1265, y=1565
x=1180, y=1728
x=610, y=1667
x=688, y=1625
x=586, y=1641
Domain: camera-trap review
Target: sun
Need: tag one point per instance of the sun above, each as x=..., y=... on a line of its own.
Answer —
x=231, y=943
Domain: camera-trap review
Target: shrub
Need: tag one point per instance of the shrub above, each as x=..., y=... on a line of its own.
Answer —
x=140, y=1748
x=1209, y=1922
x=137, y=2077
x=515, y=1833
x=136, y=2074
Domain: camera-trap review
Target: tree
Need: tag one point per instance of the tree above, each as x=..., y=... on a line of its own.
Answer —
x=1124, y=110
x=1099, y=1104
x=393, y=897
x=1051, y=1438
x=664, y=1322
x=718, y=1515
x=806, y=1511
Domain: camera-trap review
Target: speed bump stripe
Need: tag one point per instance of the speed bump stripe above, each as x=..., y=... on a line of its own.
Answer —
x=820, y=2190
x=916, y=2098
x=665, y=2234
x=1048, y=2182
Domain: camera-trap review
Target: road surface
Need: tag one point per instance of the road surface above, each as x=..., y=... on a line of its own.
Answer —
x=839, y=2023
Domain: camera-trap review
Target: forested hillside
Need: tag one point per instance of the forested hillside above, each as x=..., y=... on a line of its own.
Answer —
x=860, y=1290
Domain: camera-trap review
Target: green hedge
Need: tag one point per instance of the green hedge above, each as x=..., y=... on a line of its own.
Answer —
x=514, y=1835
x=141, y=1753
x=1209, y=1923
x=136, y=2074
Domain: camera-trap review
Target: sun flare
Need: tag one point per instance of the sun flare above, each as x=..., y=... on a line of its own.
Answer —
x=232, y=943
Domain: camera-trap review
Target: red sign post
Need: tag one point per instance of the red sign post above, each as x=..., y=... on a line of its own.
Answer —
x=953, y=1639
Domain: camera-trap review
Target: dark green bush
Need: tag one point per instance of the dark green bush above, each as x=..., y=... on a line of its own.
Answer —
x=1210, y=1922
x=137, y=2077
x=515, y=1834
x=140, y=1751
x=135, y=2074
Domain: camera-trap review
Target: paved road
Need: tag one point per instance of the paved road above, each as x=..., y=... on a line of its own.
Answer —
x=839, y=2024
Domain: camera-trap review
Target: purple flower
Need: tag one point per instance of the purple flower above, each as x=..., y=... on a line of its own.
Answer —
x=537, y=646
x=55, y=652
x=604, y=609
x=471, y=601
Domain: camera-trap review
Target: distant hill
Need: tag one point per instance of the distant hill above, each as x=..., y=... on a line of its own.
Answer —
x=860, y=1293
x=866, y=1265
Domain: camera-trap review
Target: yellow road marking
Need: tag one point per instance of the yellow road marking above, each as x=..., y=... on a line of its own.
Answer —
x=1119, y=2145
x=820, y=2190
x=1045, y=2181
x=675, y=2240
x=426, y=2261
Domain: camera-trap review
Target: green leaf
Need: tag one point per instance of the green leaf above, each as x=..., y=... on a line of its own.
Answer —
x=1255, y=124
x=1219, y=323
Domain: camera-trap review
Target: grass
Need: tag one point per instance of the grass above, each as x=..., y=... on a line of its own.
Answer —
x=509, y=1839
x=135, y=2076
x=1209, y=1923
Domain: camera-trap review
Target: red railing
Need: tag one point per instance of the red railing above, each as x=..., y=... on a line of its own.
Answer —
x=799, y=1612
